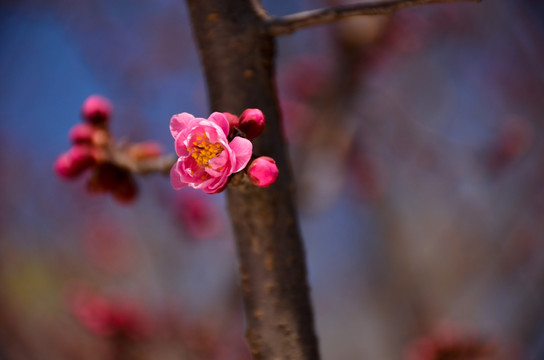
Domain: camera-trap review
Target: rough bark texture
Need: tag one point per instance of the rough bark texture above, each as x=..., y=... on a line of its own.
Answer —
x=238, y=59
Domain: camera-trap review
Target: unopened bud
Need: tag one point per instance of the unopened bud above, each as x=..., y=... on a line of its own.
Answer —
x=263, y=171
x=96, y=110
x=74, y=162
x=252, y=123
x=81, y=133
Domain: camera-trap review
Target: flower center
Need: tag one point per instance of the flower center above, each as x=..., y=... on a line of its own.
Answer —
x=202, y=150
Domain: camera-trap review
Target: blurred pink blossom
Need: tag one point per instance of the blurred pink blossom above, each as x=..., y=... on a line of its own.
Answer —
x=299, y=118
x=198, y=215
x=306, y=76
x=106, y=317
x=206, y=158
x=450, y=343
x=513, y=140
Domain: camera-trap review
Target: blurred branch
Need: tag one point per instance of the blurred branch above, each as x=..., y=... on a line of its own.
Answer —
x=119, y=155
x=287, y=24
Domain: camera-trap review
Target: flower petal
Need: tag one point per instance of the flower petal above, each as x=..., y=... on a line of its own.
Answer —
x=180, y=146
x=220, y=120
x=179, y=122
x=242, y=148
x=212, y=172
x=219, y=161
x=175, y=177
x=216, y=186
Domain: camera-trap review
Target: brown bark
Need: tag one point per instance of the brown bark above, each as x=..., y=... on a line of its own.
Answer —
x=238, y=59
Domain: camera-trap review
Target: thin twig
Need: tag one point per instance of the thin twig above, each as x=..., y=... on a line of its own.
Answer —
x=287, y=24
x=119, y=156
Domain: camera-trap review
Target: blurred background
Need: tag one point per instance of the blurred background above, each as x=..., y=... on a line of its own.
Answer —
x=416, y=145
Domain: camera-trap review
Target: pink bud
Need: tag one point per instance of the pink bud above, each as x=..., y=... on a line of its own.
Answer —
x=233, y=121
x=81, y=134
x=74, y=162
x=263, y=171
x=252, y=123
x=96, y=110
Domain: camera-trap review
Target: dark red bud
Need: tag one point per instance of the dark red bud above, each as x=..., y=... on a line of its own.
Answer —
x=97, y=110
x=233, y=121
x=252, y=123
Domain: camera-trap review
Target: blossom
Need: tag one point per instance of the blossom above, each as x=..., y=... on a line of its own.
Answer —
x=263, y=171
x=206, y=157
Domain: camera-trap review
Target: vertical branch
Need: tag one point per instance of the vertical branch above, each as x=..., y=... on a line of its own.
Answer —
x=238, y=60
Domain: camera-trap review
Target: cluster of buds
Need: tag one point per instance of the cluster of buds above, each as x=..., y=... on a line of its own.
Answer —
x=93, y=151
x=263, y=170
x=88, y=139
x=211, y=150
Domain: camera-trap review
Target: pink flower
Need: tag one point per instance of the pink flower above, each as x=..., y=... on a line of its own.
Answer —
x=206, y=158
x=263, y=171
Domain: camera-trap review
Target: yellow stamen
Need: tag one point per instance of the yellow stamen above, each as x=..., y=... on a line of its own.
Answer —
x=203, y=151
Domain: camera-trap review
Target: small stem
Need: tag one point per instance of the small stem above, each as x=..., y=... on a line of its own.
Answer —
x=287, y=24
x=118, y=155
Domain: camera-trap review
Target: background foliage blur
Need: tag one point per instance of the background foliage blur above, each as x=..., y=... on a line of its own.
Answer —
x=419, y=161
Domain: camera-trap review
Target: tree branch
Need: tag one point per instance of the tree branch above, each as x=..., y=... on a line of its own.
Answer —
x=120, y=155
x=238, y=62
x=287, y=24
